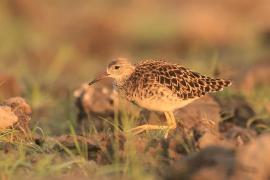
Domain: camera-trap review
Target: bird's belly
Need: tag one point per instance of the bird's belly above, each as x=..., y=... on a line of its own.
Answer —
x=162, y=105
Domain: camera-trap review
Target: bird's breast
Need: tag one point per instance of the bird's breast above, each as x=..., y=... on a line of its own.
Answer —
x=162, y=105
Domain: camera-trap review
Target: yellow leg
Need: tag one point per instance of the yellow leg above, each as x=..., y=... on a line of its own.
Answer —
x=168, y=118
x=170, y=121
x=167, y=115
x=173, y=121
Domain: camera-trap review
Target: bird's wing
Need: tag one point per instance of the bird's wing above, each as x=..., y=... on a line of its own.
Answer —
x=181, y=81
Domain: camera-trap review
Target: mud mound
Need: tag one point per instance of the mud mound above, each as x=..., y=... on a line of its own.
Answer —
x=201, y=116
x=94, y=102
x=7, y=117
x=210, y=163
x=16, y=111
x=254, y=160
x=248, y=162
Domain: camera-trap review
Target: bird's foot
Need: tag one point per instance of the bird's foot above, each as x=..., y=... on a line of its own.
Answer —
x=146, y=127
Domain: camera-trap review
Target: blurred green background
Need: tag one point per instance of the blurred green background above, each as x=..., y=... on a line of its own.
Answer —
x=48, y=48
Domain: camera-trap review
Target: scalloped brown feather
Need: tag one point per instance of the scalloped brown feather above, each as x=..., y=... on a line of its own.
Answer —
x=186, y=84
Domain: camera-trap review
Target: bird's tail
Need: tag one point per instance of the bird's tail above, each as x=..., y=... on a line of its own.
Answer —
x=218, y=84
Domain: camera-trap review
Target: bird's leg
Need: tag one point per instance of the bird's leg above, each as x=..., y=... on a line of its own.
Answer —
x=173, y=121
x=170, y=121
x=168, y=118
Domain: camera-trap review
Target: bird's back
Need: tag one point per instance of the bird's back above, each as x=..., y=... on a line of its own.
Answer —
x=160, y=80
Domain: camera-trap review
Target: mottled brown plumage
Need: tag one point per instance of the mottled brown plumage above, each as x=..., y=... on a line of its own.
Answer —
x=159, y=85
x=154, y=82
x=186, y=84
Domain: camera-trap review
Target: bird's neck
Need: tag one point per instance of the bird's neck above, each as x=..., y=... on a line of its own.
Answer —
x=120, y=82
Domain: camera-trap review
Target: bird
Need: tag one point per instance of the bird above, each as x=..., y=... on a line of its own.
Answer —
x=158, y=85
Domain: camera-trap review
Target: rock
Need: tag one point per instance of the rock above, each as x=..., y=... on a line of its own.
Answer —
x=235, y=110
x=7, y=117
x=250, y=161
x=254, y=160
x=233, y=138
x=98, y=99
x=208, y=139
x=238, y=136
x=210, y=163
x=93, y=102
x=21, y=110
x=202, y=115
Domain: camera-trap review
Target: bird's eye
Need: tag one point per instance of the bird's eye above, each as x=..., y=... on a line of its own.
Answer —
x=116, y=67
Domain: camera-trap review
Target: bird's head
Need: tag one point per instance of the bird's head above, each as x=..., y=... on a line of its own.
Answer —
x=119, y=69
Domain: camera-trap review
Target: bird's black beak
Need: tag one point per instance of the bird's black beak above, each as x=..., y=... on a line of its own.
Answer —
x=99, y=77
